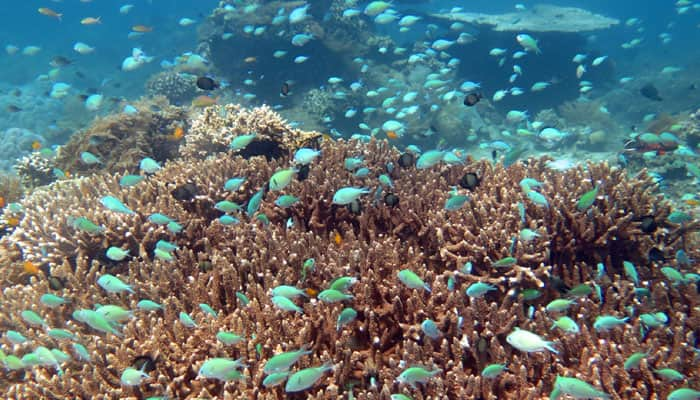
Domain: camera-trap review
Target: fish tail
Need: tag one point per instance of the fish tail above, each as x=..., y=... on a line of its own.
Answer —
x=548, y=346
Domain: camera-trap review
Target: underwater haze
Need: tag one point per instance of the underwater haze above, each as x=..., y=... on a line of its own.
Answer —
x=335, y=199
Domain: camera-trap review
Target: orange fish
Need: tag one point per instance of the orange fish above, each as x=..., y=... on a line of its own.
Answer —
x=690, y=202
x=311, y=292
x=30, y=268
x=50, y=13
x=204, y=101
x=249, y=60
x=178, y=134
x=392, y=135
x=142, y=28
x=2, y=202
x=338, y=239
x=36, y=145
x=12, y=221
x=91, y=21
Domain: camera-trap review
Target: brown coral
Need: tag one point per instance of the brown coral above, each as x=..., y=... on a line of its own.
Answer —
x=120, y=141
x=216, y=261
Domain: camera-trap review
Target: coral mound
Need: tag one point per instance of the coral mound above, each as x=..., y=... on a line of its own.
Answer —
x=372, y=243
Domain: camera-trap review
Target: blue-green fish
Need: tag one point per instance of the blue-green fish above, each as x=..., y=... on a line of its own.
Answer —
x=159, y=219
x=479, y=289
x=634, y=360
x=242, y=141
x=283, y=361
x=242, y=298
x=343, y=283
x=333, y=296
x=114, y=204
x=587, y=199
x=631, y=272
x=353, y=163
x=207, y=309
x=233, y=184
x=413, y=281
x=275, y=379
x=285, y=304
x=675, y=276
x=347, y=195
x=223, y=369
x=116, y=253
x=653, y=320
x=286, y=200
x=528, y=342
x=148, y=305
x=456, y=202
x=52, y=301
x=85, y=225
x=385, y=181
x=166, y=246
x=32, y=318
x=558, y=305
x=133, y=377
x=227, y=206
x=113, y=284
x=306, y=378
x=345, y=317
x=429, y=159
x=669, y=374
x=287, y=291
x=566, y=324
x=130, y=180
x=413, y=375
x=362, y=172
x=228, y=220
x=15, y=337
x=281, y=179
x=305, y=156
x=89, y=158
x=537, y=198
x=492, y=371
x=173, y=227
x=163, y=255
x=576, y=388
x=186, y=320
x=527, y=235
x=61, y=334
x=430, y=329
x=679, y=217
x=607, y=322
x=114, y=313
x=254, y=203
x=684, y=393
x=229, y=338
x=82, y=352
x=95, y=321
x=149, y=165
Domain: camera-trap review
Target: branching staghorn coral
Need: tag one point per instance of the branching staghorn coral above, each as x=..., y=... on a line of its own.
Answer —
x=216, y=261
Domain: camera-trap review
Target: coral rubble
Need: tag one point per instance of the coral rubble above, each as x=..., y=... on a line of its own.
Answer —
x=217, y=264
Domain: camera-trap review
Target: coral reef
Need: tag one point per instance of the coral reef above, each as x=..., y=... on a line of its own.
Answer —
x=539, y=18
x=179, y=88
x=120, y=141
x=589, y=114
x=216, y=263
x=36, y=169
x=214, y=128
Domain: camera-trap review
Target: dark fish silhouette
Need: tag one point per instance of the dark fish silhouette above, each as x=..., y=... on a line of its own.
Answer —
x=206, y=83
x=284, y=90
x=650, y=92
x=471, y=99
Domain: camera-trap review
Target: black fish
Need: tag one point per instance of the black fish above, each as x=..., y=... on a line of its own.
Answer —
x=471, y=99
x=284, y=90
x=206, y=83
x=13, y=108
x=650, y=92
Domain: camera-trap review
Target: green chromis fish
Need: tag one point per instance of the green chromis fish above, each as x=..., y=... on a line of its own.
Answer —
x=505, y=262
x=528, y=342
x=241, y=142
x=281, y=179
x=283, y=361
x=223, y=369
x=148, y=305
x=52, y=301
x=413, y=281
x=669, y=374
x=116, y=254
x=631, y=272
x=633, y=361
x=576, y=388
x=345, y=317
x=275, y=379
x=186, y=320
x=229, y=338
x=413, y=375
x=454, y=203
x=479, y=289
x=113, y=284
x=130, y=180
x=333, y=296
x=587, y=199
x=32, y=318
x=491, y=371
x=114, y=204
x=566, y=324
x=558, y=305
x=306, y=378
x=85, y=225
x=607, y=322
x=684, y=394
x=133, y=377
x=347, y=195
x=95, y=320
x=343, y=283
x=286, y=304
